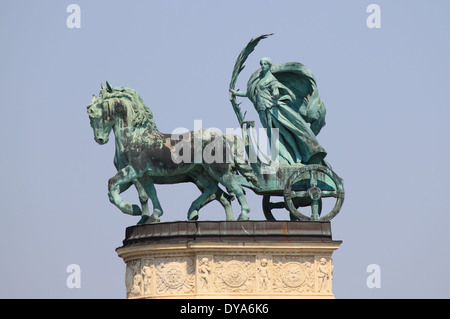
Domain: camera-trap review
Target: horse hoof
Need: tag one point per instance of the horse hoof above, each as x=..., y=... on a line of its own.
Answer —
x=157, y=212
x=243, y=217
x=143, y=220
x=152, y=219
x=193, y=215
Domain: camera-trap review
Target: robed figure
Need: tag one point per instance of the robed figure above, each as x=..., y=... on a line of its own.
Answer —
x=286, y=98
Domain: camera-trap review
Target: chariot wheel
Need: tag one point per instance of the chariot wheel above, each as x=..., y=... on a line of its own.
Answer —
x=268, y=206
x=314, y=193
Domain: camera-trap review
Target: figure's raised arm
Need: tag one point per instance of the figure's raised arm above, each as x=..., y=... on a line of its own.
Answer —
x=238, y=93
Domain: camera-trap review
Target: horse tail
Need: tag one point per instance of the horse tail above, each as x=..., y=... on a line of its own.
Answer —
x=237, y=147
x=247, y=171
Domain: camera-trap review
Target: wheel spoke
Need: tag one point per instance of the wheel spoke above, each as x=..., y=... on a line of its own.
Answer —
x=330, y=194
x=315, y=210
x=299, y=194
x=276, y=205
x=313, y=180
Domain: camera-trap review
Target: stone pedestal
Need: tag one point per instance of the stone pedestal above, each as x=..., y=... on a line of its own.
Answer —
x=222, y=259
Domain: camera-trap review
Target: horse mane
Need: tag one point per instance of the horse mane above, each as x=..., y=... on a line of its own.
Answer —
x=126, y=97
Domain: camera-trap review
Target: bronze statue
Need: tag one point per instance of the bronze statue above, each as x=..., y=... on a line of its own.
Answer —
x=286, y=98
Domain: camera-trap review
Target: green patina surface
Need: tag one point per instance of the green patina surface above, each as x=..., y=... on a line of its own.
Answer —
x=288, y=104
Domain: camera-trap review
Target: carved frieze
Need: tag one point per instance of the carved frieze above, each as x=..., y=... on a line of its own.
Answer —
x=229, y=273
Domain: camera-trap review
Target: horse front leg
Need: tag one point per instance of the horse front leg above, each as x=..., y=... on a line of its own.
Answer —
x=150, y=189
x=124, y=176
x=143, y=199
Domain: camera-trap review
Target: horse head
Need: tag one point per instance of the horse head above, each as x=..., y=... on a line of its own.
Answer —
x=121, y=106
x=100, y=116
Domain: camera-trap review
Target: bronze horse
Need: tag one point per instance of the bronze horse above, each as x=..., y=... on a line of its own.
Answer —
x=144, y=157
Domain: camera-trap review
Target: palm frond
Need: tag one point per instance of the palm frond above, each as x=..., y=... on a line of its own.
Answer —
x=238, y=67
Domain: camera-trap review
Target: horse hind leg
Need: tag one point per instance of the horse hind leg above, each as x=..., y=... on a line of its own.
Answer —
x=225, y=200
x=208, y=186
x=245, y=209
x=232, y=185
x=240, y=195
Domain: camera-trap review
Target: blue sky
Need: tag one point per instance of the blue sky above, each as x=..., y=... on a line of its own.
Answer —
x=386, y=135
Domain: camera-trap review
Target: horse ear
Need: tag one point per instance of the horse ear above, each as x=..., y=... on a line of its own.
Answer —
x=108, y=87
x=93, y=97
x=101, y=85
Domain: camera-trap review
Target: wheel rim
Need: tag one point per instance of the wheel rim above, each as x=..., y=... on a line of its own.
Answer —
x=314, y=193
